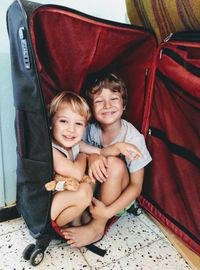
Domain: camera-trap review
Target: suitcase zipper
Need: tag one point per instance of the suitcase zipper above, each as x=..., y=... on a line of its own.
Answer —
x=168, y=38
x=165, y=41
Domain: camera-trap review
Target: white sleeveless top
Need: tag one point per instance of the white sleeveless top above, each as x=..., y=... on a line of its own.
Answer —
x=75, y=150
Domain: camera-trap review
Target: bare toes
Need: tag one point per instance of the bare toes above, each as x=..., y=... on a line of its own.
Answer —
x=70, y=242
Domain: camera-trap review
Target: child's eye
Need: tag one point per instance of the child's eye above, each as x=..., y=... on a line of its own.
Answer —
x=98, y=101
x=114, y=98
x=79, y=124
x=63, y=121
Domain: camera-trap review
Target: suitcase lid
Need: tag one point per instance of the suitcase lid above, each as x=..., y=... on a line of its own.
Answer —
x=69, y=46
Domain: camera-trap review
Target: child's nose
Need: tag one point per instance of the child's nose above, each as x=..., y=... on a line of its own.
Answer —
x=70, y=127
x=107, y=104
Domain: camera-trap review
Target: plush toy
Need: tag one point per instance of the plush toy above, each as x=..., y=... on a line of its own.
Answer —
x=60, y=183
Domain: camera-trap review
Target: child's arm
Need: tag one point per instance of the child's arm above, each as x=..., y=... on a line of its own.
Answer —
x=133, y=190
x=88, y=149
x=131, y=193
x=128, y=150
x=67, y=167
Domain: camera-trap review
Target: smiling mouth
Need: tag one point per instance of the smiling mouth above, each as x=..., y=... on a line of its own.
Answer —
x=69, y=138
x=108, y=113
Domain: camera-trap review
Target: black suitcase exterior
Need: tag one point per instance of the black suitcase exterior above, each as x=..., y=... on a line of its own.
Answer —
x=31, y=117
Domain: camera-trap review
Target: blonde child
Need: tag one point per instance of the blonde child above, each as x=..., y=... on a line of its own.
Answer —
x=121, y=178
x=69, y=115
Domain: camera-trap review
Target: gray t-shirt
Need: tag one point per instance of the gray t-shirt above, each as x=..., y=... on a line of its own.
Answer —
x=128, y=133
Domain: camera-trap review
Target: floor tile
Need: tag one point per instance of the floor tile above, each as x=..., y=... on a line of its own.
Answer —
x=12, y=225
x=148, y=222
x=127, y=235
x=159, y=255
x=122, y=264
x=57, y=256
x=66, y=258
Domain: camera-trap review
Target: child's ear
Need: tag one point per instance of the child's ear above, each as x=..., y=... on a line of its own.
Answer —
x=124, y=108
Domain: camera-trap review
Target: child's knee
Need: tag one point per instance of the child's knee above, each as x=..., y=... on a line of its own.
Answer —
x=85, y=195
x=115, y=162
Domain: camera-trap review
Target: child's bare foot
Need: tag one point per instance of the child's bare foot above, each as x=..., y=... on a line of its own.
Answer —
x=84, y=235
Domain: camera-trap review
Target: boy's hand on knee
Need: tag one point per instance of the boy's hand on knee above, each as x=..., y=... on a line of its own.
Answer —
x=98, y=168
x=98, y=209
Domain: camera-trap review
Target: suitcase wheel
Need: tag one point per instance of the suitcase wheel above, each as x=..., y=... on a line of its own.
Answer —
x=137, y=212
x=37, y=256
x=135, y=209
x=28, y=251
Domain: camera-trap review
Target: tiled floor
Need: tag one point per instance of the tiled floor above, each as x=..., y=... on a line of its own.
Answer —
x=132, y=243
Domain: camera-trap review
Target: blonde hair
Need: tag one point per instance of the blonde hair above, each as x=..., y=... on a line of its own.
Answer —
x=75, y=102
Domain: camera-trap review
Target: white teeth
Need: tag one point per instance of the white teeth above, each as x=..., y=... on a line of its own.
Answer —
x=68, y=137
x=108, y=113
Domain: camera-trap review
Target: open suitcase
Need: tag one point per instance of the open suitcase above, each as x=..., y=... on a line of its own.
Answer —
x=54, y=48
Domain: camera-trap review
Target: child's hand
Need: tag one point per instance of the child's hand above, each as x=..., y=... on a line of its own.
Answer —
x=97, y=167
x=129, y=150
x=98, y=209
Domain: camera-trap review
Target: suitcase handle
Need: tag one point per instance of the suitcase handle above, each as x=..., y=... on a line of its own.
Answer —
x=24, y=47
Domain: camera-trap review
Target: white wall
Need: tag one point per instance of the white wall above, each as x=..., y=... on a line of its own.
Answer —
x=7, y=115
x=113, y=10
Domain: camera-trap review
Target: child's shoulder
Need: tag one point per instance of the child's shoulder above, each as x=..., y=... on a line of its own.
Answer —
x=94, y=126
x=92, y=131
x=130, y=129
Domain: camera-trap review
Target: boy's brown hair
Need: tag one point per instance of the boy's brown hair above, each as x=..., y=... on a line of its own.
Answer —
x=74, y=101
x=109, y=81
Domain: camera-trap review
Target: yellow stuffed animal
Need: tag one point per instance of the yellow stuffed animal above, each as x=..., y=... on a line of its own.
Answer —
x=60, y=183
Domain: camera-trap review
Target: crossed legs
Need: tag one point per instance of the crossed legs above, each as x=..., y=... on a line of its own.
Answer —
x=109, y=191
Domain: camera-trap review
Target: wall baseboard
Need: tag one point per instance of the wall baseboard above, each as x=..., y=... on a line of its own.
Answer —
x=8, y=213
